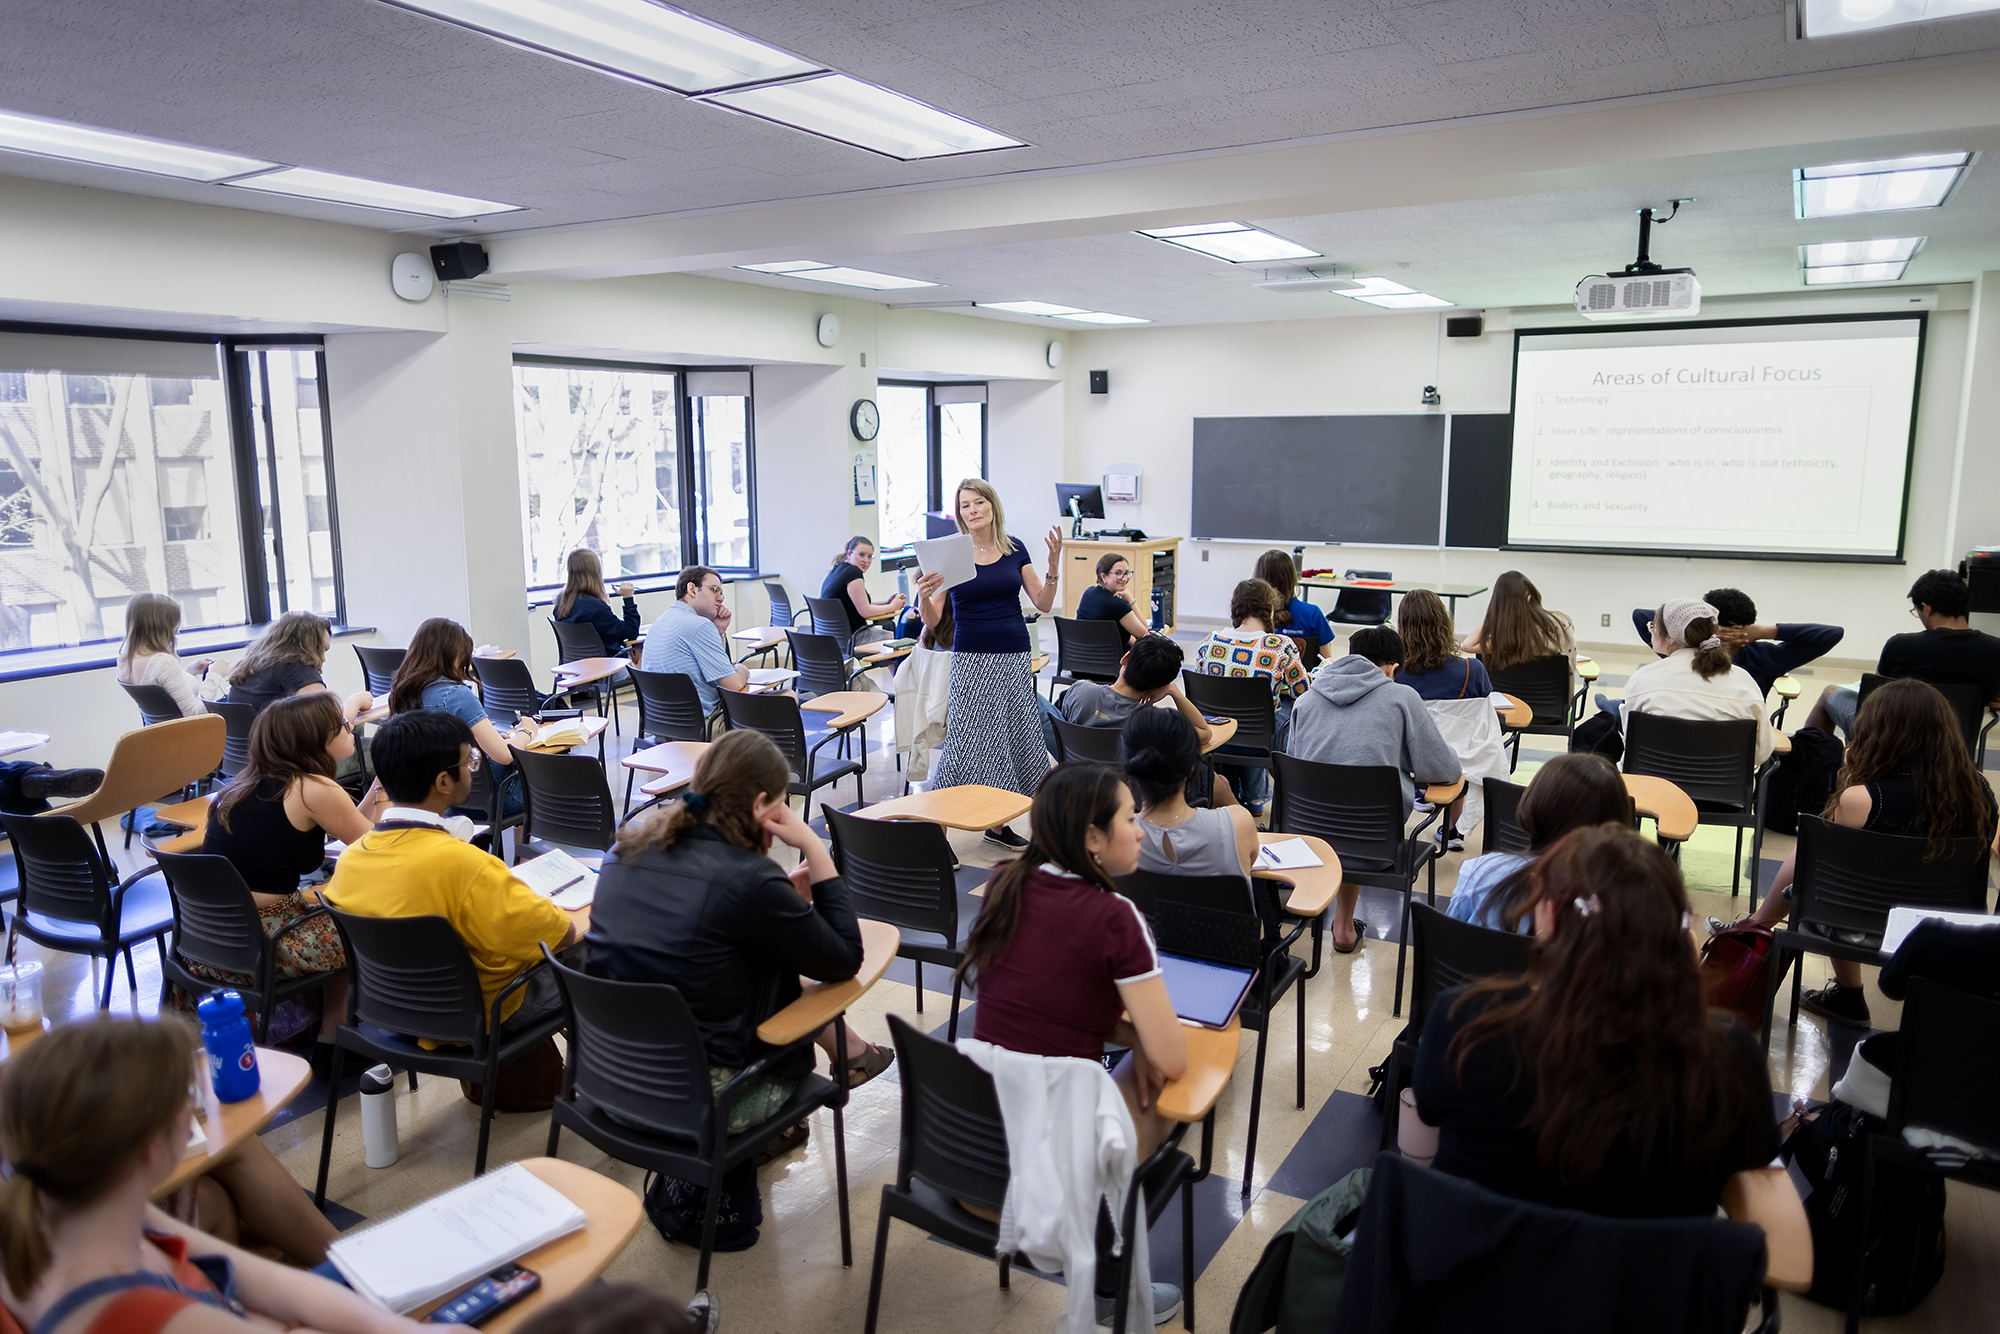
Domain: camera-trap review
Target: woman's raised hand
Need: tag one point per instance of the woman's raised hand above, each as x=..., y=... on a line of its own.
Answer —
x=930, y=585
x=1055, y=544
x=789, y=827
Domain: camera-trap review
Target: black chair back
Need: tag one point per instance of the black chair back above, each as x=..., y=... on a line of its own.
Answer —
x=576, y=640
x=635, y=1051
x=61, y=874
x=1074, y=741
x=1503, y=828
x=566, y=800
x=1947, y=1075
x=777, y=717
x=953, y=1138
x=829, y=618
x=1967, y=701
x=412, y=975
x=897, y=871
x=1714, y=762
x=215, y=915
x=1088, y=650
x=236, y=719
x=1247, y=699
x=155, y=704
x=1450, y=953
x=1362, y=606
x=781, y=603
x=1359, y=809
x=821, y=659
x=507, y=689
x=1849, y=879
x=669, y=706
x=378, y=668
x=1540, y=683
x=1161, y=897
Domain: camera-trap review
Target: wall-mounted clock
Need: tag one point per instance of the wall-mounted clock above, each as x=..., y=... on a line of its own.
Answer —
x=864, y=419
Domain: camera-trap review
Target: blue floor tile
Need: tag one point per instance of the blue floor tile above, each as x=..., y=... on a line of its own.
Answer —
x=1343, y=1136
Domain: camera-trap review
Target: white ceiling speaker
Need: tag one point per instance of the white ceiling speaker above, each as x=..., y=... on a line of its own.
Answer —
x=1055, y=355
x=828, y=331
x=411, y=277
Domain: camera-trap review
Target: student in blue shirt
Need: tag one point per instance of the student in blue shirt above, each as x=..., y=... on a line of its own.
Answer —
x=1296, y=617
x=437, y=674
x=1767, y=652
x=1432, y=665
x=1569, y=792
x=584, y=602
x=690, y=637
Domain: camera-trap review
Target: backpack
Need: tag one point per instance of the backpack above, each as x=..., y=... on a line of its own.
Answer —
x=1736, y=969
x=1297, y=1282
x=1599, y=734
x=1905, y=1224
x=1803, y=782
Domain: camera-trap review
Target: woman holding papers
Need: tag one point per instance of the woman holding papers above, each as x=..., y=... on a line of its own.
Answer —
x=437, y=674
x=993, y=732
x=93, y=1118
x=1160, y=752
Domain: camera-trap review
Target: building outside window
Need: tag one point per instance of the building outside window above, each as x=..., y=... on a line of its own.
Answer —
x=933, y=436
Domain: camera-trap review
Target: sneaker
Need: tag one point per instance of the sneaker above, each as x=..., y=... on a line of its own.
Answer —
x=1716, y=926
x=1450, y=839
x=1843, y=1005
x=1422, y=807
x=1603, y=703
x=1006, y=838
x=41, y=784
x=704, y=1313
x=1166, y=1305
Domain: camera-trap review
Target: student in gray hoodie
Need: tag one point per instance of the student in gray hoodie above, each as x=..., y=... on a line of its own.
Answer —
x=1356, y=714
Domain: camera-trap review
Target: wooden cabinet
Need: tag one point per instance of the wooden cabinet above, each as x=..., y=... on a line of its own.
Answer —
x=1154, y=565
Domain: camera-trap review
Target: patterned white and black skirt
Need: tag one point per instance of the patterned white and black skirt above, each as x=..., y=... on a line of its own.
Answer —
x=993, y=726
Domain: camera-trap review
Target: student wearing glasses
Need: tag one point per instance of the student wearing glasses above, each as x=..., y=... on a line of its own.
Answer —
x=1106, y=601
x=436, y=673
x=692, y=638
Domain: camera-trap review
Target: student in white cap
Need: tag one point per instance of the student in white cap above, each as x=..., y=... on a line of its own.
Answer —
x=1695, y=678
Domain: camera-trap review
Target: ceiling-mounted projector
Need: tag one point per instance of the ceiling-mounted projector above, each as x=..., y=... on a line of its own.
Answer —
x=1644, y=291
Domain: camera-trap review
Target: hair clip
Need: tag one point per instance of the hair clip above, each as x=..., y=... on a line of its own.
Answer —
x=1585, y=907
x=1687, y=921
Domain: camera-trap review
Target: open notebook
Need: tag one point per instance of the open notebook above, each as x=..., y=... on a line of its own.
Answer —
x=454, y=1239
x=558, y=876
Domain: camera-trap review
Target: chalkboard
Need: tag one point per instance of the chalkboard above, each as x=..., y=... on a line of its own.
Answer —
x=1364, y=480
x=1482, y=451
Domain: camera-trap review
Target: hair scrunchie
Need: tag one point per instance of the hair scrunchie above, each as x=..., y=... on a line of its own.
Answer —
x=1713, y=641
x=696, y=803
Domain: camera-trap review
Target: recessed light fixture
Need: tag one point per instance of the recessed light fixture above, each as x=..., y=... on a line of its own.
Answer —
x=1886, y=185
x=1231, y=241
x=815, y=272
x=1831, y=18
x=1377, y=287
x=1832, y=274
x=130, y=152
x=841, y=107
x=1401, y=300
x=334, y=188
x=1049, y=310
x=1881, y=250
x=636, y=39
x=1101, y=317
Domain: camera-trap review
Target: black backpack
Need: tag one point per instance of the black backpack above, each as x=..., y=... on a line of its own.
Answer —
x=1905, y=1237
x=1803, y=781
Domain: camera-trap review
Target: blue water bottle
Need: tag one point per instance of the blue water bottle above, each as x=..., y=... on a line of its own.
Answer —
x=232, y=1049
x=1159, y=611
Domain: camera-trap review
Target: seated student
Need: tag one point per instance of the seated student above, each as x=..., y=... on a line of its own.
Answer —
x=692, y=637
x=847, y=581
x=1435, y=669
x=287, y=659
x=436, y=673
x=1159, y=751
x=583, y=601
x=1767, y=652
x=1907, y=772
x=691, y=898
x=1569, y=792
x=1599, y=1080
x=1251, y=647
x=147, y=657
x=1517, y=627
x=1149, y=672
x=272, y=823
x=93, y=1118
x=1105, y=600
x=1356, y=714
x=1060, y=959
x=1947, y=651
x=412, y=865
x=1295, y=616
x=1695, y=679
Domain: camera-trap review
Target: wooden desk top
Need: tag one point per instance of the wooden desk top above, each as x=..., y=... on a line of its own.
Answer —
x=754, y=642
x=1780, y=743
x=675, y=763
x=851, y=706
x=823, y=1000
x=584, y=671
x=1666, y=803
x=970, y=806
x=877, y=656
x=378, y=714
x=280, y=1076
x=592, y=729
x=1768, y=1198
x=1516, y=714
x=1211, y=1058
x=1219, y=734
x=1036, y=663
x=1443, y=794
x=1313, y=887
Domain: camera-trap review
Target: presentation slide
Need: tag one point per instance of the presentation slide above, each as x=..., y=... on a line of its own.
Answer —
x=1781, y=438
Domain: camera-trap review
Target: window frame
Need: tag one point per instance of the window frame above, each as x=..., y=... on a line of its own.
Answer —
x=243, y=453
x=934, y=435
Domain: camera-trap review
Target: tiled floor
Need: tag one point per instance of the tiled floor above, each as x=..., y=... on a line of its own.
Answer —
x=792, y=1280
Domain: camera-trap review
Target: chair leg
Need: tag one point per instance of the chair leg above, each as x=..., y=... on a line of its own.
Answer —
x=1798, y=985
x=326, y=1136
x=413, y=1081
x=1256, y=1106
x=110, y=980
x=951, y=1029
x=486, y=1105
x=840, y=1145
x=1006, y=1271
x=1187, y=1256
x=1300, y=1006
x=918, y=964
x=881, y=1256
x=1402, y=948
x=131, y=976
x=708, y=1219
x=555, y=1133
x=630, y=774
x=1736, y=864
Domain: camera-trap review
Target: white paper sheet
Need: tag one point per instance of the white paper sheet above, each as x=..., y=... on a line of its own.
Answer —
x=1290, y=855
x=1902, y=921
x=949, y=556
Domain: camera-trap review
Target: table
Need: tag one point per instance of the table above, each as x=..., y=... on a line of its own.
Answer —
x=1443, y=794
x=875, y=655
x=1211, y=1058
x=1659, y=798
x=588, y=671
x=13, y=743
x=971, y=806
x=1219, y=734
x=1451, y=593
x=280, y=1076
x=758, y=642
x=1780, y=743
x=850, y=706
x=823, y=1002
x=1313, y=887
x=1516, y=714
x=674, y=761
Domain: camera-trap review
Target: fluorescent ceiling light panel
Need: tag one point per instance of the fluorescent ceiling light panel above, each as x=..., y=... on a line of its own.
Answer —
x=1377, y=287
x=815, y=272
x=1401, y=300
x=1855, y=273
x=1231, y=241
x=841, y=107
x=1921, y=181
x=1883, y=250
x=784, y=266
x=1101, y=317
x=333, y=188
x=633, y=38
x=1031, y=308
x=130, y=152
x=1831, y=18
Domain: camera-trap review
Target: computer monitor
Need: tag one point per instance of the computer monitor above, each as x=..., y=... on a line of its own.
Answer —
x=937, y=523
x=1089, y=499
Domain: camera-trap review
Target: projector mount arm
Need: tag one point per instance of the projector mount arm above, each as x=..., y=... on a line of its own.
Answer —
x=1645, y=264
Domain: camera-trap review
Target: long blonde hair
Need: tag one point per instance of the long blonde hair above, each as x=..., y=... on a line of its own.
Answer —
x=297, y=636
x=980, y=486
x=151, y=622
x=585, y=575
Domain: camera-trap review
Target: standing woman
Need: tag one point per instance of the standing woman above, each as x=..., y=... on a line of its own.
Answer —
x=148, y=658
x=993, y=734
x=846, y=581
x=1106, y=600
x=584, y=602
x=1517, y=627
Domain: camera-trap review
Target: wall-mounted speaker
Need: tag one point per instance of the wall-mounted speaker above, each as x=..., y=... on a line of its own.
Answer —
x=458, y=260
x=1464, y=326
x=1100, y=382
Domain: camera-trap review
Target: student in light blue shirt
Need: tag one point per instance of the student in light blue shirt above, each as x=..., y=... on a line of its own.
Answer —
x=1569, y=792
x=689, y=637
x=436, y=673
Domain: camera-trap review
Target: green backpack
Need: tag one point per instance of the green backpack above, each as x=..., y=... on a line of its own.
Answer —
x=1296, y=1285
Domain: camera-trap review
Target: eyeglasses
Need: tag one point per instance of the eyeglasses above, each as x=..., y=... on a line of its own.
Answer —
x=1914, y=612
x=472, y=759
x=346, y=726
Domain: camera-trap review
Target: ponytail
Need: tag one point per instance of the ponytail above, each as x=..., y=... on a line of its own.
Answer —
x=1711, y=659
x=24, y=1248
x=858, y=540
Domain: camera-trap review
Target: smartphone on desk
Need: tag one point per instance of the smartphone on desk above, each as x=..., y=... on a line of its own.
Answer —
x=488, y=1297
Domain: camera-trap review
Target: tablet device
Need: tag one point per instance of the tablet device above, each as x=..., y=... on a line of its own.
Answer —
x=1204, y=993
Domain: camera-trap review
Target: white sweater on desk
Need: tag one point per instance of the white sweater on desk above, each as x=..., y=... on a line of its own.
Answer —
x=1671, y=688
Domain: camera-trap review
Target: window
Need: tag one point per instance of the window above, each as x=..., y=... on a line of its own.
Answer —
x=652, y=467
x=284, y=446
x=932, y=436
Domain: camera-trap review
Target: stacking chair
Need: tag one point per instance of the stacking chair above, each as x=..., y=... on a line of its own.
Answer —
x=1967, y=701
x=1360, y=810
x=1846, y=882
x=486, y=795
x=1086, y=651
x=669, y=710
x=1449, y=953
x=411, y=978
x=1543, y=685
x=900, y=872
x=1074, y=741
x=1248, y=700
x=1715, y=763
x=635, y=1054
x=953, y=1151
x=780, y=718
x=236, y=721
x=155, y=704
x=1210, y=917
x=216, y=923
x=576, y=642
x=567, y=801
x=378, y=668
x=507, y=689
x=782, y=614
x=147, y=762
x=829, y=618
x=1362, y=606
x=1503, y=829
x=72, y=900
x=822, y=662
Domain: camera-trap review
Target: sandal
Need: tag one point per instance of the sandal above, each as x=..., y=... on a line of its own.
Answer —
x=862, y=1068
x=793, y=1137
x=1360, y=934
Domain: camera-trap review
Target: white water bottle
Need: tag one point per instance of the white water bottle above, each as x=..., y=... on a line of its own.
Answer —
x=378, y=1116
